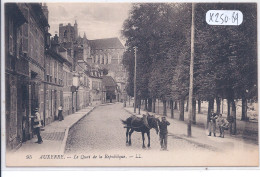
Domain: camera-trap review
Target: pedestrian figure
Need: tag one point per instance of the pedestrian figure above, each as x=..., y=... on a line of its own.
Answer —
x=37, y=123
x=163, y=133
x=230, y=119
x=223, y=125
x=212, y=123
x=60, y=116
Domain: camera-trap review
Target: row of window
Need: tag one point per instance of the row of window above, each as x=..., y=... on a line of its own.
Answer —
x=105, y=58
x=96, y=85
x=28, y=38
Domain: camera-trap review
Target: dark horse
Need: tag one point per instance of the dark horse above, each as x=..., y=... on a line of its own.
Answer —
x=134, y=123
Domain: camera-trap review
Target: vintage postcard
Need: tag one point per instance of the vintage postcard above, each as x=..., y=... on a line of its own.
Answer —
x=130, y=84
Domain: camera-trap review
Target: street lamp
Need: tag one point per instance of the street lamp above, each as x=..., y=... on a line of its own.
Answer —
x=125, y=97
x=74, y=88
x=191, y=70
x=135, y=48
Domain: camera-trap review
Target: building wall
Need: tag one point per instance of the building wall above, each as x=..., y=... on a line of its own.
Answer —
x=67, y=94
x=24, y=71
x=53, y=88
x=96, y=90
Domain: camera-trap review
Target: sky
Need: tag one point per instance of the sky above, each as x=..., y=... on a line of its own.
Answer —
x=98, y=20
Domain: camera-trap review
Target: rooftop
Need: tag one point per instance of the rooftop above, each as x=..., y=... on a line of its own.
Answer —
x=107, y=43
x=108, y=81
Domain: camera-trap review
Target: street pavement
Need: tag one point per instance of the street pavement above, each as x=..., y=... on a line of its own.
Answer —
x=98, y=139
x=54, y=138
x=102, y=130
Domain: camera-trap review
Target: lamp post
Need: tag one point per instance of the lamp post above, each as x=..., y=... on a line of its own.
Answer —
x=191, y=71
x=74, y=88
x=139, y=102
x=135, y=48
x=125, y=97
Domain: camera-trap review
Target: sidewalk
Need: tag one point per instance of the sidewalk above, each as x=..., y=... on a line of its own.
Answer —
x=178, y=129
x=247, y=131
x=54, y=135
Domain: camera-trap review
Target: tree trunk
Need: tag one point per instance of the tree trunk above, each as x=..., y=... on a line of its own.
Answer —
x=193, y=111
x=244, y=109
x=172, y=109
x=140, y=104
x=218, y=101
x=158, y=107
x=228, y=107
x=145, y=104
x=154, y=102
x=181, y=110
x=164, y=107
x=150, y=102
x=175, y=105
x=234, y=116
x=187, y=106
x=228, y=115
x=199, y=106
x=210, y=107
x=222, y=106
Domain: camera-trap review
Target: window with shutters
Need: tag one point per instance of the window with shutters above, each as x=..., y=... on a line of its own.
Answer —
x=19, y=42
x=55, y=71
x=24, y=48
x=96, y=60
x=47, y=69
x=11, y=35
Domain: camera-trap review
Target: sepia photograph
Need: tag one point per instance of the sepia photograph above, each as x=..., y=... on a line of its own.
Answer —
x=122, y=84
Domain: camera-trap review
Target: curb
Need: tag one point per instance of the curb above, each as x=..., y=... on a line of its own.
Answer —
x=64, y=141
x=187, y=139
x=196, y=143
x=105, y=104
x=131, y=112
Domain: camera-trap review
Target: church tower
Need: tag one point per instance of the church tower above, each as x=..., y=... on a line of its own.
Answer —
x=76, y=29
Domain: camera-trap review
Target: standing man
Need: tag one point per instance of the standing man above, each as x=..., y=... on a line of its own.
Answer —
x=163, y=133
x=37, y=123
x=212, y=123
x=223, y=125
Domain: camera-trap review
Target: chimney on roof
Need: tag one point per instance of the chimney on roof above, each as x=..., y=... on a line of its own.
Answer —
x=45, y=11
x=55, y=43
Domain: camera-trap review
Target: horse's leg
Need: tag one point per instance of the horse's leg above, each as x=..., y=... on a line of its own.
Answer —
x=127, y=131
x=148, y=135
x=130, y=133
x=143, y=139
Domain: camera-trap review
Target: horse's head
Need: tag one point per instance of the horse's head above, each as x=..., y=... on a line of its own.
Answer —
x=153, y=122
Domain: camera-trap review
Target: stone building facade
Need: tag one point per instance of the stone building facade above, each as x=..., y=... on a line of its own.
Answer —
x=108, y=53
x=26, y=40
x=102, y=53
x=53, y=81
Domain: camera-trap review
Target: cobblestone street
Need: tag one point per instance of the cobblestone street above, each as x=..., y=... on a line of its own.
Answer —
x=102, y=130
